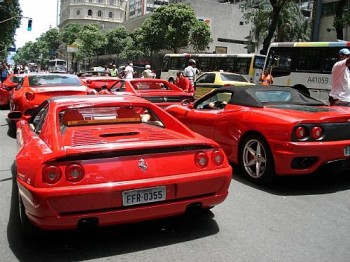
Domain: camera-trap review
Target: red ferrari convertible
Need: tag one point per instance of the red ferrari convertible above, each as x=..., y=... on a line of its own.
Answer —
x=269, y=131
x=103, y=160
x=6, y=89
x=158, y=91
x=36, y=88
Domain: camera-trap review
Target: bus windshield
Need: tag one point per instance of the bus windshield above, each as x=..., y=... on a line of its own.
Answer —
x=248, y=65
x=57, y=65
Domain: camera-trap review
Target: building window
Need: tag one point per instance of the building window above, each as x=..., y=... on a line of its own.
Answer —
x=100, y=1
x=111, y=2
x=99, y=13
x=90, y=1
x=110, y=15
x=78, y=12
x=90, y=12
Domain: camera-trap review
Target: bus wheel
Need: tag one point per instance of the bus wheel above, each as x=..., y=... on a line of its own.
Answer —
x=302, y=89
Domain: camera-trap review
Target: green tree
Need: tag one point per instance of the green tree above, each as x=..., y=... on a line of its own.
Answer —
x=175, y=27
x=278, y=19
x=91, y=39
x=10, y=20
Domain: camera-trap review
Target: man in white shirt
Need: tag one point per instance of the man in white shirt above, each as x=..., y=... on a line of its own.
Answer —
x=340, y=91
x=190, y=71
x=129, y=71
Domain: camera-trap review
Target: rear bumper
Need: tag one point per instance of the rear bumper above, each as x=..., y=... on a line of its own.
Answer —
x=327, y=155
x=63, y=207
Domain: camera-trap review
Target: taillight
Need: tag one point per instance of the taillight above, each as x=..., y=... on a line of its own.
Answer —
x=29, y=96
x=218, y=157
x=51, y=174
x=201, y=159
x=316, y=132
x=300, y=132
x=74, y=172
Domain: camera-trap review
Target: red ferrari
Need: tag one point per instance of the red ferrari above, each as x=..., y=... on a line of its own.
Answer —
x=269, y=131
x=100, y=160
x=36, y=88
x=158, y=91
x=6, y=88
x=99, y=83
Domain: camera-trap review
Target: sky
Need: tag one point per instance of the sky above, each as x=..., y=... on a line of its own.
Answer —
x=44, y=15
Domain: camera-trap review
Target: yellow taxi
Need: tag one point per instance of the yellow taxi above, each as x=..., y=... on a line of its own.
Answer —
x=209, y=80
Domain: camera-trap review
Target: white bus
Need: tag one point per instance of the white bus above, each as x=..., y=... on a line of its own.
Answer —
x=306, y=66
x=248, y=65
x=57, y=66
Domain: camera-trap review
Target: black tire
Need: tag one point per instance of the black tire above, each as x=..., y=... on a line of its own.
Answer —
x=302, y=89
x=28, y=229
x=256, y=160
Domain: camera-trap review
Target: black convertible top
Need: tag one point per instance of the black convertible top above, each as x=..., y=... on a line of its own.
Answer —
x=259, y=96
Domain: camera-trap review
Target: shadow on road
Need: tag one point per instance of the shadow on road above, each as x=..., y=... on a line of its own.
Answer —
x=104, y=242
x=320, y=183
x=11, y=132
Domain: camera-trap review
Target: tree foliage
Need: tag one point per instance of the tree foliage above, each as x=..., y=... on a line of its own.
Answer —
x=175, y=27
x=10, y=20
x=280, y=20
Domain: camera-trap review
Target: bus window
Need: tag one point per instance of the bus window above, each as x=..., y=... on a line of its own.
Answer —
x=282, y=62
x=309, y=60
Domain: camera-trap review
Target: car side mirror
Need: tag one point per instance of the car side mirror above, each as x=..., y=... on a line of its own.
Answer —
x=14, y=115
x=187, y=103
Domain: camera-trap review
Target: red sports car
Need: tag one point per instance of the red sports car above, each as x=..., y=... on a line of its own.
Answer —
x=269, y=131
x=99, y=83
x=35, y=88
x=158, y=91
x=103, y=160
x=6, y=89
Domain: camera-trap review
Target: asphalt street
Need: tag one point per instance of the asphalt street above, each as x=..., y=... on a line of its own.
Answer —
x=302, y=219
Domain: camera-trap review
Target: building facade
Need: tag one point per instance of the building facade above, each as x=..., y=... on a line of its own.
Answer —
x=107, y=13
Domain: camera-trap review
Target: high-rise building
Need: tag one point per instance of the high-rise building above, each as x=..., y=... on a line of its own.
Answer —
x=107, y=13
x=143, y=7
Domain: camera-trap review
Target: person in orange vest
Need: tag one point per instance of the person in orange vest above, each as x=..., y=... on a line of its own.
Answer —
x=266, y=79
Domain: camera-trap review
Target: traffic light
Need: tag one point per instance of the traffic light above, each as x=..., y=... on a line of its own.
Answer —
x=29, y=28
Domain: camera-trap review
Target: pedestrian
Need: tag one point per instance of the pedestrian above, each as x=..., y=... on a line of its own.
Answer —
x=191, y=71
x=340, y=90
x=114, y=71
x=183, y=82
x=266, y=78
x=147, y=73
x=129, y=71
x=4, y=72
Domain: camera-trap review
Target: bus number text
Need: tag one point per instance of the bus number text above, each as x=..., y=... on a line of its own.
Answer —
x=318, y=80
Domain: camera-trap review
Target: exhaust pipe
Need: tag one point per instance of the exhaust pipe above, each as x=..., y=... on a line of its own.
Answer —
x=89, y=223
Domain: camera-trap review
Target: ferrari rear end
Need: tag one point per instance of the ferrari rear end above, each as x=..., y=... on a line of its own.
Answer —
x=122, y=175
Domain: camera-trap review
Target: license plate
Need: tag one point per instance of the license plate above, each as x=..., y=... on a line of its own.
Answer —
x=144, y=196
x=347, y=151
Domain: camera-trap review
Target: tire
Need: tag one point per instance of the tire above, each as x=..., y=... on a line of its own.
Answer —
x=28, y=229
x=256, y=161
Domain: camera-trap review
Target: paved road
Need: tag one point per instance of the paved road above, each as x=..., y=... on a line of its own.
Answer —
x=297, y=219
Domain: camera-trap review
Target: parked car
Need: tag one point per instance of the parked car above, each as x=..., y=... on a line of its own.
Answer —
x=271, y=131
x=88, y=161
x=158, y=91
x=209, y=80
x=35, y=88
x=6, y=88
x=99, y=83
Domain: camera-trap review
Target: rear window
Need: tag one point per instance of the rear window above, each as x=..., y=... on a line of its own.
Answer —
x=150, y=86
x=53, y=80
x=108, y=115
x=231, y=77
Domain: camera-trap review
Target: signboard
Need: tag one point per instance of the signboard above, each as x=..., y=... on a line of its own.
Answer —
x=73, y=48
